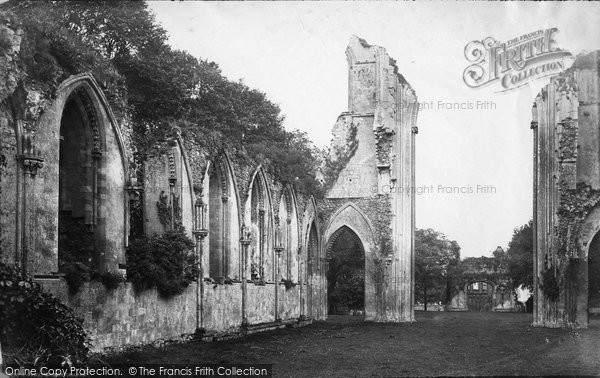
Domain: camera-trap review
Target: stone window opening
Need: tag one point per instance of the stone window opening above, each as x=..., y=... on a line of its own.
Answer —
x=312, y=256
x=219, y=224
x=288, y=228
x=80, y=154
x=261, y=228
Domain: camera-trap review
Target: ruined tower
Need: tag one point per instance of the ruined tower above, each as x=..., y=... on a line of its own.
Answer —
x=566, y=206
x=370, y=179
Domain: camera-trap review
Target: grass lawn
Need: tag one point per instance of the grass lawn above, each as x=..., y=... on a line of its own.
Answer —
x=438, y=344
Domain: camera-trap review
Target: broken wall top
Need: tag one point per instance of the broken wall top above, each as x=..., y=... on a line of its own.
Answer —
x=374, y=79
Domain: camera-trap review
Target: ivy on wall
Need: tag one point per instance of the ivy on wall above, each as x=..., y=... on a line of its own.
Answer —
x=340, y=156
x=383, y=145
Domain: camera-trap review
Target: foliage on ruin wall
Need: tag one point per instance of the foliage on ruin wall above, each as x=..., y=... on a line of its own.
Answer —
x=153, y=88
x=575, y=205
x=383, y=144
x=339, y=156
x=165, y=261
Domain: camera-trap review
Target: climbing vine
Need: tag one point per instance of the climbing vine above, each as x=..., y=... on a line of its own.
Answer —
x=164, y=210
x=383, y=144
x=549, y=285
x=575, y=205
x=340, y=156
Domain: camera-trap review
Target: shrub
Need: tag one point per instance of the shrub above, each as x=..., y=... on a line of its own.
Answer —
x=110, y=280
x=166, y=262
x=35, y=327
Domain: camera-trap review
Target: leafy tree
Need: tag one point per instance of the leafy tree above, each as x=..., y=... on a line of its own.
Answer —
x=520, y=256
x=159, y=87
x=436, y=265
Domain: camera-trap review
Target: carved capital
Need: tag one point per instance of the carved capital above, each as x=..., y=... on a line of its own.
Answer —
x=32, y=164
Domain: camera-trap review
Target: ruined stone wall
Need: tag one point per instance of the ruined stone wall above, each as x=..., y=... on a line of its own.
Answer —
x=30, y=139
x=566, y=192
x=122, y=317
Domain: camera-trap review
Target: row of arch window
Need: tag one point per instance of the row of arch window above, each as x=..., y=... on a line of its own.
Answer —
x=224, y=257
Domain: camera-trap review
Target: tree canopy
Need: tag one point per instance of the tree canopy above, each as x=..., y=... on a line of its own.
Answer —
x=436, y=265
x=520, y=256
x=161, y=88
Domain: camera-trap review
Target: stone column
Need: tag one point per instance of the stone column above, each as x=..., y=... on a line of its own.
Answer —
x=301, y=266
x=225, y=250
x=200, y=232
x=278, y=250
x=288, y=230
x=536, y=271
x=32, y=161
x=245, y=241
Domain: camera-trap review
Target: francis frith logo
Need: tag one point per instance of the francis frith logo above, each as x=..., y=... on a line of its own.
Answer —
x=514, y=63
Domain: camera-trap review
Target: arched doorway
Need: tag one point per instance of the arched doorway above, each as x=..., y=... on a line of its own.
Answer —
x=594, y=278
x=346, y=274
x=351, y=224
x=480, y=296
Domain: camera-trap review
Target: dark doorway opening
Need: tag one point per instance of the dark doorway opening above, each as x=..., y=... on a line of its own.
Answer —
x=346, y=274
x=480, y=296
x=594, y=278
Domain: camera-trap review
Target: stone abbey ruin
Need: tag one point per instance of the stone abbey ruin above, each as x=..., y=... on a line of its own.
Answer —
x=68, y=176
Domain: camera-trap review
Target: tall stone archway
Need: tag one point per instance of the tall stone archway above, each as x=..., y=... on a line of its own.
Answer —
x=309, y=253
x=84, y=179
x=351, y=219
x=346, y=273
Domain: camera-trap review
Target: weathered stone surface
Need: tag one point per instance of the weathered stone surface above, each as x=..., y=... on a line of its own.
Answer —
x=566, y=193
x=372, y=195
x=122, y=317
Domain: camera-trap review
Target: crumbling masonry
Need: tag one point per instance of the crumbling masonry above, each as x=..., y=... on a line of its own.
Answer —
x=566, y=203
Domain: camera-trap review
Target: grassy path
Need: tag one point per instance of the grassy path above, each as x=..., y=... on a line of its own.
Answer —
x=438, y=344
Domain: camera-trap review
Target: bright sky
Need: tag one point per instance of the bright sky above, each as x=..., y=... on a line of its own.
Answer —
x=295, y=53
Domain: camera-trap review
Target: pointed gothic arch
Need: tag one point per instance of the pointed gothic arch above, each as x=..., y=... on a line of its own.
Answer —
x=350, y=218
x=288, y=228
x=222, y=199
x=259, y=219
x=83, y=182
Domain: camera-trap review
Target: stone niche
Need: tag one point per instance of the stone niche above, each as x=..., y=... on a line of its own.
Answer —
x=168, y=190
